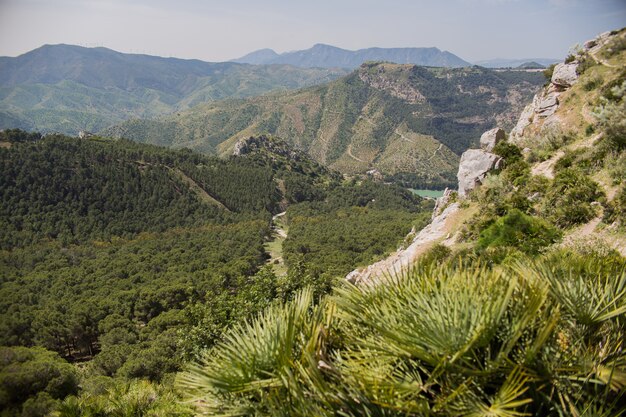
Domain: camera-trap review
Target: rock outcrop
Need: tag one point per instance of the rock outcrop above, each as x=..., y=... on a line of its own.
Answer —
x=435, y=232
x=548, y=104
x=491, y=138
x=565, y=75
x=474, y=166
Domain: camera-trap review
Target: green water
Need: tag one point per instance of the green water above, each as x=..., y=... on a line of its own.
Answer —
x=428, y=193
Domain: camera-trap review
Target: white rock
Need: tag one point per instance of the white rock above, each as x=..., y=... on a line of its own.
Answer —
x=565, y=75
x=474, y=166
x=525, y=119
x=490, y=138
x=548, y=105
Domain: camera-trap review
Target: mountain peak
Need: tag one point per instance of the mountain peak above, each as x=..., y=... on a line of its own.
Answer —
x=328, y=56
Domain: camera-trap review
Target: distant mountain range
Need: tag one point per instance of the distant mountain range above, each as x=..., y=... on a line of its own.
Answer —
x=327, y=56
x=516, y=63
x=409, y=122
x=67, y=88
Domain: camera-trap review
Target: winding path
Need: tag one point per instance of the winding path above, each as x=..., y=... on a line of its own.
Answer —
x=275, y=247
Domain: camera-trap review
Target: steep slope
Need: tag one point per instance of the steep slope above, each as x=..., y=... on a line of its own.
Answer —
x=406, y=121
x=561, y=181
x=68, y=88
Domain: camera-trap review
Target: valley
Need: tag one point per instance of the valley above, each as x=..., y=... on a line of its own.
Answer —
x=410, y=123
x=271, y=237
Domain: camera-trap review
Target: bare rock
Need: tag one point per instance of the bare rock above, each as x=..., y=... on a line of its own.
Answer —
x=565, y=75
x=474, y=166
x=491, y=138
x=525, y=119
x=434, y=232
x=442, y=202
x=548, y=105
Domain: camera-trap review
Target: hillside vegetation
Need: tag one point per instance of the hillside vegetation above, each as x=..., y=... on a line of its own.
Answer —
x=406, y=121
x=130, y=259
x=520, y=310
x=66, y=89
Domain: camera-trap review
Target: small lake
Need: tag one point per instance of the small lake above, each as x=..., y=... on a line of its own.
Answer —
x=427, y=193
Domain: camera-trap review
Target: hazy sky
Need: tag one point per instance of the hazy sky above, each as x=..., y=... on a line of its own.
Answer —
x=220, y=30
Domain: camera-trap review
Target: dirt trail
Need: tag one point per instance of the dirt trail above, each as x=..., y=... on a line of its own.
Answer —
x=436, y=150
x=546, y=168
x=352, y=156
x=275, y=247
x=595, y=56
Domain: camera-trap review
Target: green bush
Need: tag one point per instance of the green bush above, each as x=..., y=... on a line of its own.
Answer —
x=548, y=72
x=508, y=151
x=611, y=115
x=527, y=233
x=568, y=200
x=436, y=254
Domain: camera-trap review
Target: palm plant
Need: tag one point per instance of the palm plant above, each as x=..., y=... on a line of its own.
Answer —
x=535, y=338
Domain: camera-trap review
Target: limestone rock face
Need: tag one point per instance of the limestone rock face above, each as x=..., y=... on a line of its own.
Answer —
x=548, y=105
x=525, y=119
x=565, y=75
x=491, y=138
x=474, y=166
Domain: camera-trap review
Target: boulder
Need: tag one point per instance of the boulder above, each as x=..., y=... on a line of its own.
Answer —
x=548, y=105
x=490, y=138
x=474, y=166
x=565, y=75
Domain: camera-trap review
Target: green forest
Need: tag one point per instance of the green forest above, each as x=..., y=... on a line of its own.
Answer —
x=120, y=262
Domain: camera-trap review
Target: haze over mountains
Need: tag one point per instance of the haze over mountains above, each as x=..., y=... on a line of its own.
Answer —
x=327, y=56
x=514, y=62
x=67, y=88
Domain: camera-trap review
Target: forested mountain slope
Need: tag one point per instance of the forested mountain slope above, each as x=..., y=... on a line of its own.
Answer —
x=132, y=258
x=66, y=88
x=406, y=121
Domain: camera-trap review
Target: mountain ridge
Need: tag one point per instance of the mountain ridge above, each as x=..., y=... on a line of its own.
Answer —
x=67, y=88
x=391, y=117
x=329, y=56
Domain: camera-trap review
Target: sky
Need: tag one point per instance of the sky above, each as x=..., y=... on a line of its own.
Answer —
x=213, y=30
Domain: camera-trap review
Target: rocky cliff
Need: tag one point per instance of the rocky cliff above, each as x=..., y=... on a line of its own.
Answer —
x=568, y=166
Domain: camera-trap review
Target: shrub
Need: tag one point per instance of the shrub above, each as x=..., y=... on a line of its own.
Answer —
x=611, y=116
x=527, y=233
x=548, y=72
x=616, y=209
x=543, y=145
x=436, y=254
x=585, y=62
x=568, y=200
x=508, y=151
x=592, y=83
